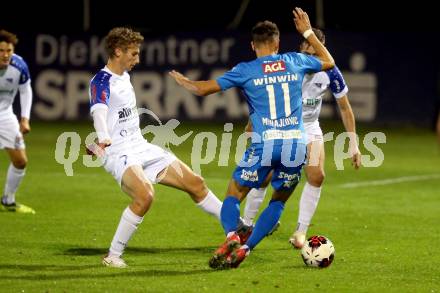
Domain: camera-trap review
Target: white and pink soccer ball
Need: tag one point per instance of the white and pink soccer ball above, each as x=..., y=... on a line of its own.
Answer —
x=318, y=251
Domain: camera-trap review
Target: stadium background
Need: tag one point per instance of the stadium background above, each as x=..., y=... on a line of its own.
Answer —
x=389, y=55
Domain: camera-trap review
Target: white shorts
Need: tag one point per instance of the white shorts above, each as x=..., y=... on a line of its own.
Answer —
x=314, y=131
x=10, y=135
x=151, y=158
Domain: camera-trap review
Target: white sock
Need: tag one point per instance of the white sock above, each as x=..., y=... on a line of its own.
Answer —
x=254, y=199
x=307, y=206
x=13, y=179
x=127, y=226
x=211, y=204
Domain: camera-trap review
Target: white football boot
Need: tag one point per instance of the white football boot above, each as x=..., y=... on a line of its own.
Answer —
x=114, y=261
x=298, y=239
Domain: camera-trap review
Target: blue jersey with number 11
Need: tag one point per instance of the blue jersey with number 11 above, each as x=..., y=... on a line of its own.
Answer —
x=272, y=86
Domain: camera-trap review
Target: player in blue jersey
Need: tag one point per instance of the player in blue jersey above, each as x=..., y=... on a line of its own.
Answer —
x=313, y=88
x=14, y=77
x=272, y=86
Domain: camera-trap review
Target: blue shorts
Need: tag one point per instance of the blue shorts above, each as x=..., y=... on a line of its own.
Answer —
x=259, y=159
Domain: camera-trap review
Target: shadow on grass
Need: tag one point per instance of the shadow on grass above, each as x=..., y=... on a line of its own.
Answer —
x=48, y=272
x=102, y=273
x=84, y=251
x=36, y=272
x=37, y=267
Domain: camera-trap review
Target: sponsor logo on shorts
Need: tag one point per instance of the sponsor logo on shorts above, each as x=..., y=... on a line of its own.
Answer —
x=249, y=175
x=290, y=179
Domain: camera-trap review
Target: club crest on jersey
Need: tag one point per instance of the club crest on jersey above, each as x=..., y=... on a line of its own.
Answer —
x=274, y=66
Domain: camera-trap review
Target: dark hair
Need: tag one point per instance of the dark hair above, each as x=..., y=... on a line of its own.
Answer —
x=121, y=37
x=8, y=37
x=265, y=31
x=319, y=34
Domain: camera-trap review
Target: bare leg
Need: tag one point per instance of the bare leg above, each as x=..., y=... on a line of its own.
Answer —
x=180, y=176
x=141, y=192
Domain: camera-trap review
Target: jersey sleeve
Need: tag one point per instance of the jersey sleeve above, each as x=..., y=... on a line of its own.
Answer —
x=19, y=63
x=24, y=74
x=99, y=91
x=22, y=66
x=231, y=78
x=308, y=63
x=100, y=124
x=25, y=99
x=337, y=83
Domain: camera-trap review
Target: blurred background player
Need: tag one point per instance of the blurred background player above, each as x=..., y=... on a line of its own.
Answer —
x=14, y=76
x=132, y=161
x=313, y=90
x=437, y=126
x=272, y=86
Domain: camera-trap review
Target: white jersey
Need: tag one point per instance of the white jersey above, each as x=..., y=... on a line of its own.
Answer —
x=116, y=92
x=314, y=87
x=16, y=76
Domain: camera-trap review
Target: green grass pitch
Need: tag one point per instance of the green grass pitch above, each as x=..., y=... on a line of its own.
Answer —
x=386, y=236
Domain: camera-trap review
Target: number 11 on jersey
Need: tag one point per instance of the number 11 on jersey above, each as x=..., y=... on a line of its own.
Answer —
x=272, y=102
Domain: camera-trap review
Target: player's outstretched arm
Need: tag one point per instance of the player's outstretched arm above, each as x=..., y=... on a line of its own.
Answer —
x=199, y=88
x=302, y=24
x=350, y=126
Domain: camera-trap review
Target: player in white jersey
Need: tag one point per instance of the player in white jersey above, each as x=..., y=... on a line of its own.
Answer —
x=313, y=89
x=132, y=161
x=14, y=77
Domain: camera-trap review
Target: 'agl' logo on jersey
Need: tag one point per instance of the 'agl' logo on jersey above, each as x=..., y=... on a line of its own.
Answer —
x=274, y=67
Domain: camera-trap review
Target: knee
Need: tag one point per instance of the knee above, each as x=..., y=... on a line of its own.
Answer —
x=143, y=199
x=20, y=163
x=317, y=178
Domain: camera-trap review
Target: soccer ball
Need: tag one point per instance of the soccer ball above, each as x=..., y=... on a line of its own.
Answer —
x=318, y=251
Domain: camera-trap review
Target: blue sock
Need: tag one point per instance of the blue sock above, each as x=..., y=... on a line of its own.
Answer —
x=267, y=220
x=230, y=214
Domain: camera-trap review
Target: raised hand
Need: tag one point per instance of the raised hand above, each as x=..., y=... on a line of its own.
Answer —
x=301, y=19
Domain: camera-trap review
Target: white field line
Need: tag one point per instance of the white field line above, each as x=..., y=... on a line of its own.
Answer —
x=227, y=178
x=389, y=181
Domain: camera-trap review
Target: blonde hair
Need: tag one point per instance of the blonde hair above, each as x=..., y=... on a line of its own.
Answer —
x=121, y=37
